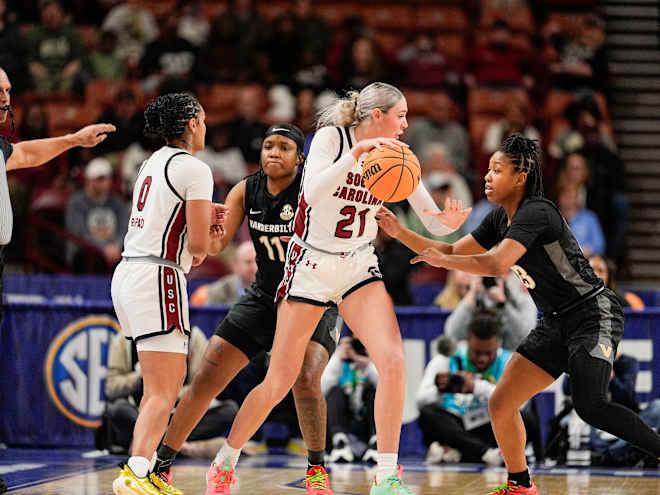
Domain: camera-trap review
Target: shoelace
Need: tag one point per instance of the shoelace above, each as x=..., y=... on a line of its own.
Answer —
x=500, y=490
x=396, y=482
x=318, y=481
x=166, y=477
x=223, y=479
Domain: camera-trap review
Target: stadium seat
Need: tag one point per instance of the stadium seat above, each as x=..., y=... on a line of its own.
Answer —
x=335, y=13
x=441, y=18
x=393, y=16
x=492, y=101
x=159, y=7
x=418, y=100
x=272, y=9
x=452, y=44
x=219, y=101
x=65, y=117
x=519, y=19
x=390, y=41
x=102, y=92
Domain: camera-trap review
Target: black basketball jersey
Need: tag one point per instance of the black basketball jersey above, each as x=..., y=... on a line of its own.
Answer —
x=553, y=268
x=270, y=218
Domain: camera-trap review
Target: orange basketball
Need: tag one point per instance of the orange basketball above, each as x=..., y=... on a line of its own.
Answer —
x=391, y=174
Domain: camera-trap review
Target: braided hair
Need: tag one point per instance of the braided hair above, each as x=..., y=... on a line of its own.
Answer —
x=526, y=157
x=168, y=115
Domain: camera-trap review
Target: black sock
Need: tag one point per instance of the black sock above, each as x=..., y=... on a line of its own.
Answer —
x=164, y=458
x=315, y=458
x=520, y=479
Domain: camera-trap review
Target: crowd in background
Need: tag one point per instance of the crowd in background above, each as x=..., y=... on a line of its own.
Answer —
x=473, y=75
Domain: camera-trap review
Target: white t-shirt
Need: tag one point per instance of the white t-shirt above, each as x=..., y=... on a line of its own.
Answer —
x=336, y=212
x=157, y=226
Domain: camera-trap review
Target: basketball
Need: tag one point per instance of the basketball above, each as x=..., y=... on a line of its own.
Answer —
x=391, y=174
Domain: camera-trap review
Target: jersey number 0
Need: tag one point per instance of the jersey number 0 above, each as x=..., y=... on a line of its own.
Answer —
x=144, y=192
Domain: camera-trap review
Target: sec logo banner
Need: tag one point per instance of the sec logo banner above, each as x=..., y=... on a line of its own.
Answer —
x=75, y=368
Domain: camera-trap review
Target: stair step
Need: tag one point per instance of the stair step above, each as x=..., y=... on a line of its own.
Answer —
x=635, y=167
x=643, y=255
x=646, y=214
x=630, y=40
x=645, y=226
x=636, y=83
x=635, y=2
x=636, y=68
x=635, y=111
x=626, y=25
x=637, y=125
x=632, y=55
x=645, y=271
x=627, y=10
x=636, y=98
x=644, y=241
x=644, y=198
x=640, y=184
x=640, y=140
x=633, y=156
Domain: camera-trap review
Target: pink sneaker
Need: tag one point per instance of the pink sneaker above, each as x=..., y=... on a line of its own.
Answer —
x=220, y=479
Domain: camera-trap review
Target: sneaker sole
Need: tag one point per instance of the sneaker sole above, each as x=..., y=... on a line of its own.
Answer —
x=126, y=486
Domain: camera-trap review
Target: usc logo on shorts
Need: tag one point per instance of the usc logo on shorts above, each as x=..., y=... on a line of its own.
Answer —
x=75, y=368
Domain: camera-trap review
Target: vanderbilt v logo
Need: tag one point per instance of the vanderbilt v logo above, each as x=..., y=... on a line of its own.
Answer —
x=607, y=350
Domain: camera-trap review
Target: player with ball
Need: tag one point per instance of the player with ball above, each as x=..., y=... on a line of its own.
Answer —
x=330, y=259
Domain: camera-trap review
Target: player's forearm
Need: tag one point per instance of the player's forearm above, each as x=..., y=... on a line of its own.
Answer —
x=39, y=151
x=419, y=243
x=480, y=264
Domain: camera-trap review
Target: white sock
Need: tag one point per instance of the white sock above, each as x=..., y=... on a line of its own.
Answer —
x=227, y=451
x=139, y=466
x=386, y=466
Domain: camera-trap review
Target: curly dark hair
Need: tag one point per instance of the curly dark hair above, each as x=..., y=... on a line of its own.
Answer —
x=167, y=115
x=485, y=325
x=525, y=156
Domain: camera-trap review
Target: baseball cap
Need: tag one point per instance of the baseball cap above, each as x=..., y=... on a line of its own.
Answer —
x=98, y=167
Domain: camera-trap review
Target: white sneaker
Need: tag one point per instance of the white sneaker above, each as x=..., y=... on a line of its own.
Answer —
x=452, y=456
x=492, y=457
x=370, y=455
x=341, y=449
x=438, y=454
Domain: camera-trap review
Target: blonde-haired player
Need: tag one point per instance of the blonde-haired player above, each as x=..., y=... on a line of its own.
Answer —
x=173, y=225
x=330, y=259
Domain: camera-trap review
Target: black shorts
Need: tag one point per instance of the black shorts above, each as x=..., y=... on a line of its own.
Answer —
x=596, y=325
x=250, y=324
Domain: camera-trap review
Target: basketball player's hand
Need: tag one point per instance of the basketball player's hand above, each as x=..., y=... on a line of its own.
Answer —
x=93, y=134
x=432, y=256
x=387, y=221
x=198, y=261
x=366, y=145
x=216, y=231
x=219, y=213
x=453, y=215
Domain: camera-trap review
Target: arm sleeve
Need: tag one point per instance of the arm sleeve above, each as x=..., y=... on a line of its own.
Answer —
x=322, y=173
x=528, y=223
x=191, y=178
x=428, y=392
x=421, y=200
x=331, y=374
x=458, y=321
x=486, y=233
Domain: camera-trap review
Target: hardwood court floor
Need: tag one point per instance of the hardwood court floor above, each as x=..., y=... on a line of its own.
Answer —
x=282, y=475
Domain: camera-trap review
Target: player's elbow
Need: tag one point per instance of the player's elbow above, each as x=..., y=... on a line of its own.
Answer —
x=198, y=247
x=500, y=267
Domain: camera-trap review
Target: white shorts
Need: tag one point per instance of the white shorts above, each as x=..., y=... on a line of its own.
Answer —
x=151, y=303
x=320, y=278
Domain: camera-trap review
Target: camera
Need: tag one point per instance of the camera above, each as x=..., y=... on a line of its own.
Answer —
x=454, y=385
x=489, y=282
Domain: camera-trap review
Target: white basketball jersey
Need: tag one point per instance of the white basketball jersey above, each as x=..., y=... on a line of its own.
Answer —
x=157, y=226
x=344, y=218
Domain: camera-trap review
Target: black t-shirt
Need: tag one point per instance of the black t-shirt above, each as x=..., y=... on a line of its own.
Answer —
x=270, y=218
x=553, y=268
x=6, y=147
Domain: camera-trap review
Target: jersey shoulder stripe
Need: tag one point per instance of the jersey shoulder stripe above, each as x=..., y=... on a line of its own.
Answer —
x=341, y=144
x=348, y=137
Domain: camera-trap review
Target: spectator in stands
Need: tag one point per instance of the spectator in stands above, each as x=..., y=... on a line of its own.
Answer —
x=604, y=268
x=103, y=62
x=169, y=56
x=583, y=222
x=247, y=130
x=503, y=296
x=424, y=65
x=223, y=157
x=439, y=126
x=55, y=50
x=352, y=28
x=193, y=25
x=284, y=47
x=313, y=32
x=453, y=397
x=132, y=158
x=497, y=63
x=515, y=120
x=230, y=288
x=457, y=286
x=135, y=26
x=437, y=169
x=306, y=113
x=349, y=385
x=574, y=172
x=362, y=64
x=582, y=60
x=311, y=73
x=123, y=392
x=127, y=116
x=99, y=217
x=13, y=50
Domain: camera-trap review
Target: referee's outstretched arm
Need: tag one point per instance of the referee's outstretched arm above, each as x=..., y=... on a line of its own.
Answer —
x=39, y=151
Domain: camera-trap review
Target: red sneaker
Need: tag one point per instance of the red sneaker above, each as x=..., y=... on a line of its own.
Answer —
x=509, y=489
x=317, y=481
